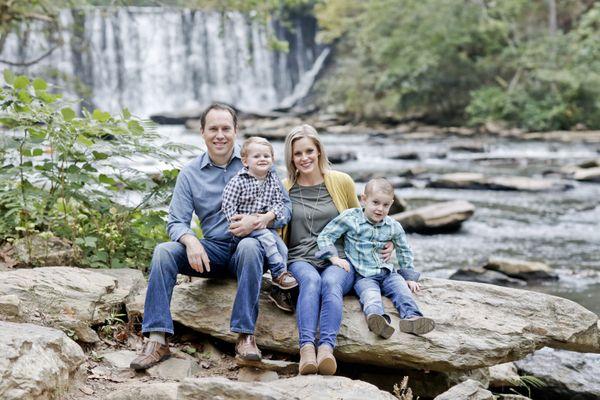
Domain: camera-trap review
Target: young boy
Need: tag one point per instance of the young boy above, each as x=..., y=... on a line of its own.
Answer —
x=366, y=231
x=256, y=190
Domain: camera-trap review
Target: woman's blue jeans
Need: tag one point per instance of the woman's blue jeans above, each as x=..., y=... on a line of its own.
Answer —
x=226, y=261
x=321, y=301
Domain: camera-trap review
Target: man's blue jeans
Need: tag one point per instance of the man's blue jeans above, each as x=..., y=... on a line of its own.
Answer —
x=391, y=285
x=274, y=248
x=321, y=301
x=244, y=262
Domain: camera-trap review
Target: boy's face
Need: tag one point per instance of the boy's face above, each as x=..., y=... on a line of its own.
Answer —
x=377, y=205
x=258, y=159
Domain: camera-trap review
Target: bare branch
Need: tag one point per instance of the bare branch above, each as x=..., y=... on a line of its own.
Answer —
x=31, y=62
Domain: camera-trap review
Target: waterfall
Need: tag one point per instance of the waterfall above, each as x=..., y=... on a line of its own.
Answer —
x=153, y=60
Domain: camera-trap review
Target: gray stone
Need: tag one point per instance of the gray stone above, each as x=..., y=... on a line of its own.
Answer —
x=41, y=251
x=565, y=373
x=527, y=270
x=118, y=359
x=439, y=217
x=486, y=276
x=36, y=362
x=587, y=174
x=70, y=299
x=146, y=391
x=10, y=307
x=503, y=375
x=468, y=390
x=251, y=374
x=174, y=368
x=279, y=366
x=341, y=156
x=475, y=181
x=478, y=325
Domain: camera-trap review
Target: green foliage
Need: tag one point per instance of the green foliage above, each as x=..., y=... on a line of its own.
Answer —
x=476, y=61
x=63, y=173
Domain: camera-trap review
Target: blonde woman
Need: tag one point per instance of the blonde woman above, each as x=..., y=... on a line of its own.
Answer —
x=318, y=195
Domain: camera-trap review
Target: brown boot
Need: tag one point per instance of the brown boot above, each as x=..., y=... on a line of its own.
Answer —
x=308, y=360
x=285, y=281
x=325, y=360
x=246, y=348
x=152, y=353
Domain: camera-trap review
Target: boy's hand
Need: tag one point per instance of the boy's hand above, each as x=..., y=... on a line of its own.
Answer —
x=386, y=252
x=413, y=286
x=340, y=262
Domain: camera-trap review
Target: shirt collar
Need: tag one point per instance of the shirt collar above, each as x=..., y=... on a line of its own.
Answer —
x=205, y=158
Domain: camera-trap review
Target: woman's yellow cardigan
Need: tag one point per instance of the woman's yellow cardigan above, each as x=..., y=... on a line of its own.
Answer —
x=341, y=188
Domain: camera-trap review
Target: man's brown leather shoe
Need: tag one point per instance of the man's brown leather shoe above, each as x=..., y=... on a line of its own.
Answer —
x=246, y=348
x=152, y=353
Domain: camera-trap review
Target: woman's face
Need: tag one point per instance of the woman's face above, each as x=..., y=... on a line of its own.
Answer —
x=305, y=156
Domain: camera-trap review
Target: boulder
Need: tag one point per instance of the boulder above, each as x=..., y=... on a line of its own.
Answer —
x=587, y=174
x=503, y=375
x=435, y=218
x=146, y=391
x=478, y=325
x=41, y=251
x=565, y=374
x=36, y=362
x=468, y=147
x=519, y=269
x=482, y=275
x=309, y=387
x=406, y=156
x=175, y=368
x=476, y=181
x=468, y=390
x=459, y=180
x=341, y=156
x=70, y=299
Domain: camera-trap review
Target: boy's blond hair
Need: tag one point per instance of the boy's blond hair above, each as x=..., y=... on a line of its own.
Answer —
x=255, y=140
x=380, y=185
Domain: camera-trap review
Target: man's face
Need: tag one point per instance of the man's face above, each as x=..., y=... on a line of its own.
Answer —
x=219, y=134
x=377, y=205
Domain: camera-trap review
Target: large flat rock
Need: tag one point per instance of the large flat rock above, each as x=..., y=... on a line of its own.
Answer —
x=36, y=362
x=476, y=181
x=70, y=299
x=478, y=325
x=439, y=217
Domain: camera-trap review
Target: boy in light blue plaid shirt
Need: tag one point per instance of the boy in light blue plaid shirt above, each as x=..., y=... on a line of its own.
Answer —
x=366, y=231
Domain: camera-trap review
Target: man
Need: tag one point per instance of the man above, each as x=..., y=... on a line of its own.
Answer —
x=199, y=189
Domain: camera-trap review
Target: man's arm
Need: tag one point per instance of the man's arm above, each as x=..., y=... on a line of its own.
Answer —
x=180, y=209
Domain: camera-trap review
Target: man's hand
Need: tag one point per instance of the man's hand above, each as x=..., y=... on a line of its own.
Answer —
x=340, y=262
x=196, y=254
x=241, y=224
x=387, y=251
x=413, y=286
x=264, y=220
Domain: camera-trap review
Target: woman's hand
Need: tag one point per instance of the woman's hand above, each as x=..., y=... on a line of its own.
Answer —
x=413, y=286
x=340, y=262
x=387, y=251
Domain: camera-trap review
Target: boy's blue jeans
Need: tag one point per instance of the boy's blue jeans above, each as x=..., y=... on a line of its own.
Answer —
x=274, y=248
x=321, y=301
x=170, y=258
x=390, y=284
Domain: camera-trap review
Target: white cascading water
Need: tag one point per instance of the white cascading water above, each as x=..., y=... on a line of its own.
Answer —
x=153, y=60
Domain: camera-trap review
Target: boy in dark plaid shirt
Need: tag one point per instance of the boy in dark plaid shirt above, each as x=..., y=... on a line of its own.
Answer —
x=257, y=190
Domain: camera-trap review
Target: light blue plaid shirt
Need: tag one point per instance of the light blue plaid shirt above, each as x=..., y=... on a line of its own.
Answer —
x=363, y=241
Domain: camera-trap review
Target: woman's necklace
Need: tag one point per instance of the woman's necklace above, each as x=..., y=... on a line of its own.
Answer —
x=310, y=217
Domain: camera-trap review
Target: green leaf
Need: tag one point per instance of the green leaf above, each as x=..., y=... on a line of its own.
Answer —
x=99, y=156
x=37, y=135
x=24, y=96
x=135, y=127
x=26, y=152
x=126, y=113
x=9, y=76
x=21, y=82
x=106, y=179
x=68, y=114
x=37, y=152
x=85, y=141
x=39, y=84
x=46, y=97
x=100, y=116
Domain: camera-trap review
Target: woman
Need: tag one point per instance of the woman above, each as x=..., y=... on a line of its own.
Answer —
x=318, y=195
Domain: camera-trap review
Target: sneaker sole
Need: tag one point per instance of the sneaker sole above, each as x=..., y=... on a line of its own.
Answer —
x=378, y=325
x=139, y=367
x=284, y=287
x=327, y=367
x=290, y=310
x=309, y=369
x=419, y=326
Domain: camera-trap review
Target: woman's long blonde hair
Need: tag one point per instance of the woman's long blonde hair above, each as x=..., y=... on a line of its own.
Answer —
x=299, y=132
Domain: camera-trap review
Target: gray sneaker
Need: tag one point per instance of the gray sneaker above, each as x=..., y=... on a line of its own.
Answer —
x=417, y=325
x=380, y=325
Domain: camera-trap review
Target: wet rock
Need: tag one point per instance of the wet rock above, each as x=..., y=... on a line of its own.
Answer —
x=341, y=156
x=398, y=206
x=174, y=368
x=526, y=270
x=459, y=180
x=482, y=275
x=251, y=374
x=406, y=156
x=146, y=391
x=589, y=164
x=177, y=117
x=503, y=396
x=310, y=387
x=566, y=374
x=476, y=181
x=37, y=362
x=477, y=325
x=470, y=147
x=399, y=183
x=70, y=299
x=40, y=250
x=588, y=174
x=468, y=390
x=504, y=375
x=279, y=366
x=436, y=218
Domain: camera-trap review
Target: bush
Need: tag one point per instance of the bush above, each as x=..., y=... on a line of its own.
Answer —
x=63, y=174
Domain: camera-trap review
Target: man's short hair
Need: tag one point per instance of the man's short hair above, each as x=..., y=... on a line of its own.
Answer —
x=255, y=140
x=219, y=106
x=380, y=185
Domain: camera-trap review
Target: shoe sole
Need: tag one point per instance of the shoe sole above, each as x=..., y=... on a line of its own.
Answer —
x=283, y=287
x=139, y=367
x=309, y=369
x=419, y=326
x=378, y=325
x=328, y=366
x=290, y=310
x=250, y=357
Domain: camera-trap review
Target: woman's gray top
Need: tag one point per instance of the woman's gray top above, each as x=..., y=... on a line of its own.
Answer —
x=312, y=209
